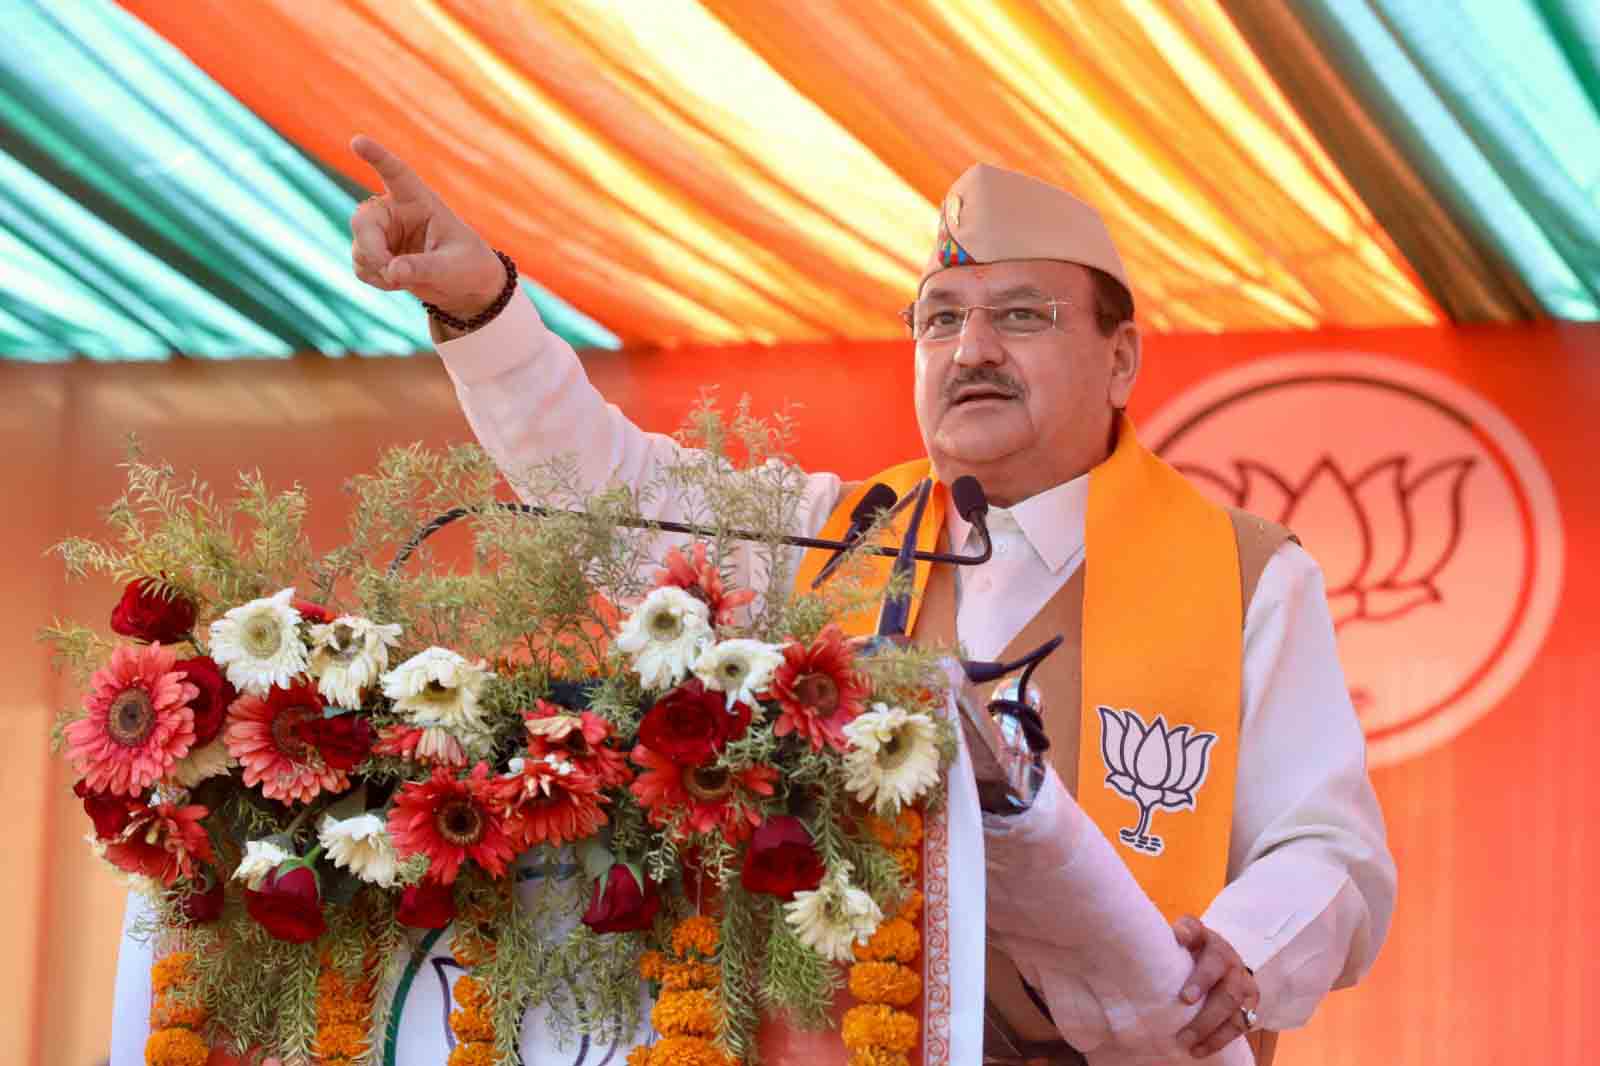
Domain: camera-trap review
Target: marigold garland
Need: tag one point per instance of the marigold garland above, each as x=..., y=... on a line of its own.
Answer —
x=471, y=1021
x=881, y=979
x=175, y=1016
x=344, y=1015
x=699, y=934
x=687, y=1013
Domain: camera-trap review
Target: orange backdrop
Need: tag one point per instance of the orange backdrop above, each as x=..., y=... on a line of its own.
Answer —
x=1491, y=955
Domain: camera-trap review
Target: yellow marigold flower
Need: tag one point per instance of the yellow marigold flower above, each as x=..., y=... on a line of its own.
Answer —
x=909, y=861
x=691, y=975
x=342, y=1041
x=687, y=1051
x=877, y=1025
x=470, y=993
x=884, y=982
x=175, y=1047
x=472, y=1023
x=699, y=934
x=877, y=1056
x=172, y=971
x=903, y=830
x=896, y=940
x=911, y=908
x=170, y=1013
x=474, y=1054
x=687, y=1012
x=651, y=966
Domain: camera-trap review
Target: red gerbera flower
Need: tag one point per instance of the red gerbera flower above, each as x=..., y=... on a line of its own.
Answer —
x=267, y=736
x=431, y=745
x=703, y=581
x=584, y=739
x=163, y=842
x=451, y=820
x=701, y=799
x=548, y=800
x=139, y=722
x=818, y=691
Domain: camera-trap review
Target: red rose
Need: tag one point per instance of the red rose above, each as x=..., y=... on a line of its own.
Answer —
x=782, y=859
x=621, y=903
x=203, y=905
x=288, y=906
x=426, y=906
x=110, y=814
x=211, y=705
x=145, y=614
x=344, y=740
x=313, y=613
x=691, y=724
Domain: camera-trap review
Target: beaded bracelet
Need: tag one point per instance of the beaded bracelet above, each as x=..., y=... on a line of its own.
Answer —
x=467, y=325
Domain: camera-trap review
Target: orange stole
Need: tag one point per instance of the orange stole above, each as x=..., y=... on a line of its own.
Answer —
x=1162, y=636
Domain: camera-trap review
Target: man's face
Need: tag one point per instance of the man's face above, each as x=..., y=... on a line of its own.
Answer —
x=1022, y=413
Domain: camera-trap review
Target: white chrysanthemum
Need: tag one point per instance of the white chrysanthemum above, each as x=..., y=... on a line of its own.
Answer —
x=832, y=917
x=261, y=857
x=212, y=760
x=893, y=757
x=361, y=845
x=259, y=644
x=347, y=655
x=739, y=668
x=438, y=687
x=665, y=635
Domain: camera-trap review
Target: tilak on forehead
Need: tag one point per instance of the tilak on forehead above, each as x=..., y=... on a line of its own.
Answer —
x=992, y=215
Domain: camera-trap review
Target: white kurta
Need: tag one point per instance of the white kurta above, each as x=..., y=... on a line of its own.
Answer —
x=1311, y=884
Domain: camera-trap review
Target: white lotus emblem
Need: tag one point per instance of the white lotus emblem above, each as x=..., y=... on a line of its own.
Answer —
x=1153, y=766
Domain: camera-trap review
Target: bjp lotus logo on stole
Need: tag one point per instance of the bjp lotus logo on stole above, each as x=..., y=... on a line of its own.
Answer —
x=1431, y=516
x=1154, y=766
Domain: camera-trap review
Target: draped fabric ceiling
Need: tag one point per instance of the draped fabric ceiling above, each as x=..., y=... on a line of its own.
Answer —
x=722, y=171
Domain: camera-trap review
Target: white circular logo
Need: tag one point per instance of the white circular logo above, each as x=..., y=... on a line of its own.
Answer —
x=1435, y=524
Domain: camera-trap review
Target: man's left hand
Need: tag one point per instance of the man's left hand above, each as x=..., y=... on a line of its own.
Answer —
x=1221, y=977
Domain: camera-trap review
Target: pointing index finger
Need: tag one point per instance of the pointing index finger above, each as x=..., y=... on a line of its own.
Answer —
x=398, y=177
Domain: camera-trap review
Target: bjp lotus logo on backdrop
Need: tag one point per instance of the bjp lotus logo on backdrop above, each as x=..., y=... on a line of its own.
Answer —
x=1153, y=765
x=1434, y=522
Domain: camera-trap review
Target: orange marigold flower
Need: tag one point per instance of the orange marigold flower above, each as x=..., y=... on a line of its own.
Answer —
x=686, y=1012
x=909, y=860
x=884, y=982
x=171, y=971
x=471, y=949
x=344, y=1012
x=175, y=1047
x=652, y=964
x=688, y=1051
x=691, y=975
x=169, y=1013
x=699, y=934
x=903, y=830
x=470, y=994
x=911, y=908
x=474, y=1054
x=341, y=1041
x=895, y=941
x=877, y=1025
x=639, y=1056
x=877, y=1056
x=471, y=1023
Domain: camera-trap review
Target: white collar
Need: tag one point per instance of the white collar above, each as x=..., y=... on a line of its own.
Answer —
x=1052, y=521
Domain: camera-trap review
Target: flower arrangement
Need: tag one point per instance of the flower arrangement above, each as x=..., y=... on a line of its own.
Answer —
x=302, y=757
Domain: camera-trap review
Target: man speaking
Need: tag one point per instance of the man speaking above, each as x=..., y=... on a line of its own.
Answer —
x=1200, y=728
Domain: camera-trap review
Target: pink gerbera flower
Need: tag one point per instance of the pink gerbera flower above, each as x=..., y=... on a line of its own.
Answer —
x=431, y=745
x=139, y=722
x=703, y=581
x=701, y=799
x=584, y=739
x=548, y=800
x=267, y=735
x=818, y=690
x=163, y=842
x=451, y=820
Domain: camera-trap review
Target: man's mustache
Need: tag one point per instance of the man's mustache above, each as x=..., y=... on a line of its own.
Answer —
x=982, y=375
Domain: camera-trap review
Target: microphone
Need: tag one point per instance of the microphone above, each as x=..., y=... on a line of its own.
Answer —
x=879, y=498
x=896, y=610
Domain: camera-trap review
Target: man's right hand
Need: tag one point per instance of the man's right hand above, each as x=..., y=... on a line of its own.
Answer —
x=408, y=239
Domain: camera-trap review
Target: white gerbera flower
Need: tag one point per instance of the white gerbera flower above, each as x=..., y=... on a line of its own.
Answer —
x=261, y=857
x=348, y=654
x=893, y=757
x=832, y=917
x=739, y=668
x=438, y=687
x=259, y=644
x=665, y=635
x=201, y=763
x=361, y=845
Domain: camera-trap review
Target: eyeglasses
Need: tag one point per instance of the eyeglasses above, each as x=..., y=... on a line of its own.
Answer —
x=1021, y=318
